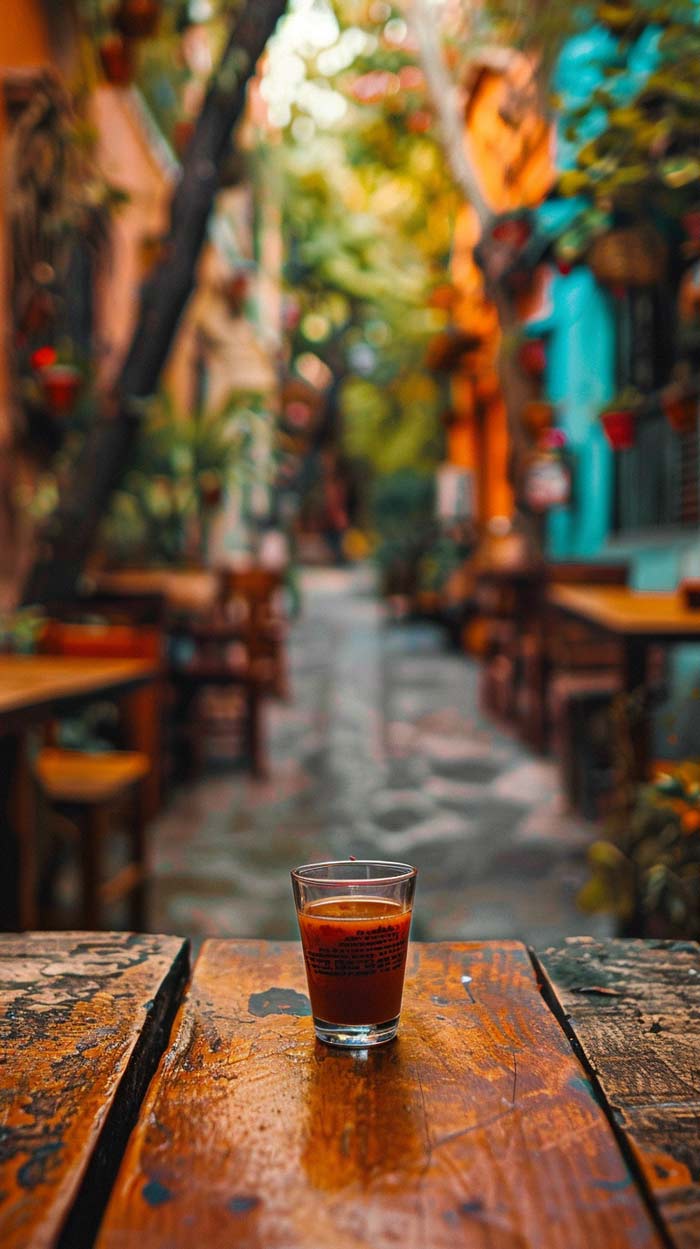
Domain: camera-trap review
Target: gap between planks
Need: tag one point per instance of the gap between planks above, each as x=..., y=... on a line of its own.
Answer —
x=550, y=999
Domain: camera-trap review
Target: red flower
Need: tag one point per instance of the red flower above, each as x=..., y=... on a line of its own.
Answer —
x=43, y=358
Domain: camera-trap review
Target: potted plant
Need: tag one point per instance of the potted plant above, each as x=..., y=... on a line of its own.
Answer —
x=116, y=59
x=59, y=378
x=538, y=415
x=647, y=868
x=532, y=356
x=680, y=405
x=619, y=420
x=137, y=19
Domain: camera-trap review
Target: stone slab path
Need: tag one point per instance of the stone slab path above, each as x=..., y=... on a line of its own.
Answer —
x=380, y=753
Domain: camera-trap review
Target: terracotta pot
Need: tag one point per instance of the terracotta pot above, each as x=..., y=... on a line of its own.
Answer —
x=138, y=18
x=619, y=426
x=533, y=357
x=538, y=415
x=680, y=409
x=116, y=60
x=61, y=384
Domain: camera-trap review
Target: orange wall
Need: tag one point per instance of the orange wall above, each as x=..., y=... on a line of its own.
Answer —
x=24, y=44
x=510, y=145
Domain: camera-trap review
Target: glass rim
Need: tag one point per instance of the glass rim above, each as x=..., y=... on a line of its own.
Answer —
x=304, y=873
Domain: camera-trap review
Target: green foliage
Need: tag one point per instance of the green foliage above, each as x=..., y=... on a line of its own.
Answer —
x=180, y=472
x=647, y=869
x=647, y=155
x=368, y=216
x=402, y=508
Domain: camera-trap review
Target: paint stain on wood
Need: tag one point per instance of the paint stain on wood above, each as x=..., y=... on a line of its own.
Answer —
x=276, y=1001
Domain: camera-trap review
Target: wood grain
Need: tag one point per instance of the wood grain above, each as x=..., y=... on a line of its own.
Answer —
x=83, y=1020
x=629, y=612
x=476, y=1128
x=634, y=1008
x=37, y=681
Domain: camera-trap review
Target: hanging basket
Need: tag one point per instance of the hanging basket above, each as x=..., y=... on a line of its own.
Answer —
x=538, y=415
x=116, y=60
x=137, y=19
x=61, y=384
x=619, y=425
x=532, y=357
x=680, y=408
x=635, y=256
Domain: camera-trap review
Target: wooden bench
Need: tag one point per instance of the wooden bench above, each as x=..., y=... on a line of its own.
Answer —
x=533, y=1100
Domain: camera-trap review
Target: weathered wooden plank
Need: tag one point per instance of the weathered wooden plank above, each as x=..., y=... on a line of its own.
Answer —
x=84, y=1018
x=634, y=1009
x=476, y=1128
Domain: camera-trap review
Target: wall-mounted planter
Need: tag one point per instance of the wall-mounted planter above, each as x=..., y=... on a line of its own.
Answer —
x=620, y=427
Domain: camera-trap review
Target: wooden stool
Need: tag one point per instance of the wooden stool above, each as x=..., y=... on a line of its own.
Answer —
x=83, y=788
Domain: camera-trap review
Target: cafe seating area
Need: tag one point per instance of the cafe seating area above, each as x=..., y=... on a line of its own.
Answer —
x=119, y=719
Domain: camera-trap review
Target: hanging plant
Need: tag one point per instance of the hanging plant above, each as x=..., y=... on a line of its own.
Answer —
x=538, y=415
x=633, y=256
x=116, y=59
x=680, y=405
x=61, y=385
x=234, y=291
x=137, y=19
x=619, y=421
x=532, y=356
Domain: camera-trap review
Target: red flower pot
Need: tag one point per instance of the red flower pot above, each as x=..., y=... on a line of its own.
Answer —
x=116, y=60
x=619, y=427
x=680, y=409
x=61, y=384
x=43, y=358
x=138, y=18
x=515, y=232
x=691, y=224
x=533, y=357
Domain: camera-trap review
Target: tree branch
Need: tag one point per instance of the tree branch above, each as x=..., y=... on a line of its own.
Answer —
x=68, y=537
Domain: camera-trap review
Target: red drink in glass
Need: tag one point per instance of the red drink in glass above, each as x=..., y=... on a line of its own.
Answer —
x=354, y=934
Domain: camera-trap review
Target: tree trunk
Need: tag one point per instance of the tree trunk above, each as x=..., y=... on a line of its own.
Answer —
x=68, y=536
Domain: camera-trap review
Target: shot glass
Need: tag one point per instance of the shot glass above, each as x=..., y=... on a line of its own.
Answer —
x=354, y=919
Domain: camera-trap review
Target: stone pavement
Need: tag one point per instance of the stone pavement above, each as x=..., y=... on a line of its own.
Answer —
x=381, y=753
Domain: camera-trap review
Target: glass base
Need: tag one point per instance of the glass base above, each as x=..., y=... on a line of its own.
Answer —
x=355, y=1035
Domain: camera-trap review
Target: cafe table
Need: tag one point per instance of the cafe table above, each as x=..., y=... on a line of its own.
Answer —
x=640, y=621
x=530, y=1100
x=35, y=689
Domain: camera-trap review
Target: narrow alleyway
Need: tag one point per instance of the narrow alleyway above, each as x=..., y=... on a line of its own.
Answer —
x=380, y=753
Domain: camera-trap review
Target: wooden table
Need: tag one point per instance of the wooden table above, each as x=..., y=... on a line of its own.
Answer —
x=531, y=1101
x=639, y=620
x=185, y=590
x=34, y=689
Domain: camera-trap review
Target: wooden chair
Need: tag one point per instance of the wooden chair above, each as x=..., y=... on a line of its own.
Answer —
x=251, y=597
x=85, y=788
x=563, y=661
